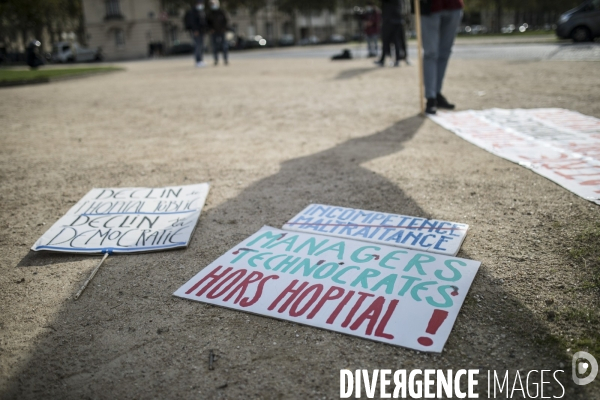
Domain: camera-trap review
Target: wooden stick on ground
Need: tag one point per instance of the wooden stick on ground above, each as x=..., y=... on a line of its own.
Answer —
x=86, y=283
x=420, y=56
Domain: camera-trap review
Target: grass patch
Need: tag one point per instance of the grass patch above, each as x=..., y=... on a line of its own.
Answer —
x=13, y=76
x=558, y=345
x=581, y=316
x=580, y=324
x=586, y=251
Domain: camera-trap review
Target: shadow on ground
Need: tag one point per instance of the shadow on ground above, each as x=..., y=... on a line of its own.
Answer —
x=43, y=258
x=354, y=72
x=128, y=337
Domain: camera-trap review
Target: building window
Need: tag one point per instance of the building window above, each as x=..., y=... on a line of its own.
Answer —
x=269, y=30
x=119, y=38
x=113, y=9
x=171, y=7
x=174, y=35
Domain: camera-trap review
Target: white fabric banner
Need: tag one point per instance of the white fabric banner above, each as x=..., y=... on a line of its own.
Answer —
x=397, y=296
x=442, y=237
x=561, y=145
x=126, y=220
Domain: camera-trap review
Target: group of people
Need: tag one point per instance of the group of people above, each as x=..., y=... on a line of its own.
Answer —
x=199, y=22
x=389, y=23
x=439, y=23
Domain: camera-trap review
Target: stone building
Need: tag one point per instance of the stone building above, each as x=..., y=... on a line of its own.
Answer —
x=126, y=29
x=129, y=29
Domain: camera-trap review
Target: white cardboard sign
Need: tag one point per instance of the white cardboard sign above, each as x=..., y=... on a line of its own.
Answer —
x=127, y=220
x=397, y=296
x=434, y=236
x=561, y=145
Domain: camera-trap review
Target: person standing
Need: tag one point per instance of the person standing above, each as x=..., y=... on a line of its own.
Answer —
x=372, y=20
x=217, y=23
x=391, y=31
x=195, y=22
x=439, y=24
x=32, y=53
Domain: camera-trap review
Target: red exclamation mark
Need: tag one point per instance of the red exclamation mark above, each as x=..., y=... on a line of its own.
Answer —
x=437, y=319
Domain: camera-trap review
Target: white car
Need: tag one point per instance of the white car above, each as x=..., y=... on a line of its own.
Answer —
x=73, y=52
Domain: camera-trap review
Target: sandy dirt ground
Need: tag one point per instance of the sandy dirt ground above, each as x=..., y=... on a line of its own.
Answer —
x=273, y=136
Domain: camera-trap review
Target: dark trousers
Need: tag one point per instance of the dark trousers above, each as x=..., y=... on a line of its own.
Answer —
x=199, y=46
x=393, y=33
x=218, y=42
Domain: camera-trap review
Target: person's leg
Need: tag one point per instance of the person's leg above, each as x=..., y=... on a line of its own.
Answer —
x=375, y=44
x=197, y=55
x=449, y=22
x=225, y=47
x=215, y=48
x=200, y=48
x=387, y=48
x=430, y=34
x=403, y=41
x=397, y=45
x=372, y=45
x=385, y=45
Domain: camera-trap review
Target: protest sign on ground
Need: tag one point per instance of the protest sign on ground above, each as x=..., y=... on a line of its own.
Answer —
x=125, y=220
x=429, y=235
x=397, y=296
x=561, y=145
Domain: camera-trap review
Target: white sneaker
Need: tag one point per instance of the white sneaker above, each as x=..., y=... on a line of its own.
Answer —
x=200, y=64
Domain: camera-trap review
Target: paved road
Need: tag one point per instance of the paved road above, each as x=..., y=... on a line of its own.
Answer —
x=470, y=51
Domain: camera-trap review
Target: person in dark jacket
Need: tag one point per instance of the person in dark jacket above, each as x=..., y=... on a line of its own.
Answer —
x=439, y=23
x=372, y=23
x=32, y=52
x=195, y=22
x=217, y=24
x=392, y=31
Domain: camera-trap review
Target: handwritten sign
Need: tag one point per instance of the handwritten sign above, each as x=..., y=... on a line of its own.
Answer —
x=561, y=145
x=125, y=220
x=429, y=235
x=397, y=296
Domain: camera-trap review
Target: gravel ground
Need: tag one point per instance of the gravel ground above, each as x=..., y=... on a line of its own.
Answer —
x=272, y=136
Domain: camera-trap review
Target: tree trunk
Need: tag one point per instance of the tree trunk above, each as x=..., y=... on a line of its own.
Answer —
x=498, y=16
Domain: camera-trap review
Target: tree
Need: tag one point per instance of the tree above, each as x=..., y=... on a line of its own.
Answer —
x=253, y=6
x=307, y=7
x=32, y=17
x=537, y=11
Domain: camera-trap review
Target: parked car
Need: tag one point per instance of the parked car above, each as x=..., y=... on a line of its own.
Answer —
x=582, y=24
x=256, y=42
x=181, y=48
x=336, y=38
x=287, y=40
x=74, y=52
x=309, y=40
x=508, y=29
x=239, y=42
x=473, y=30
